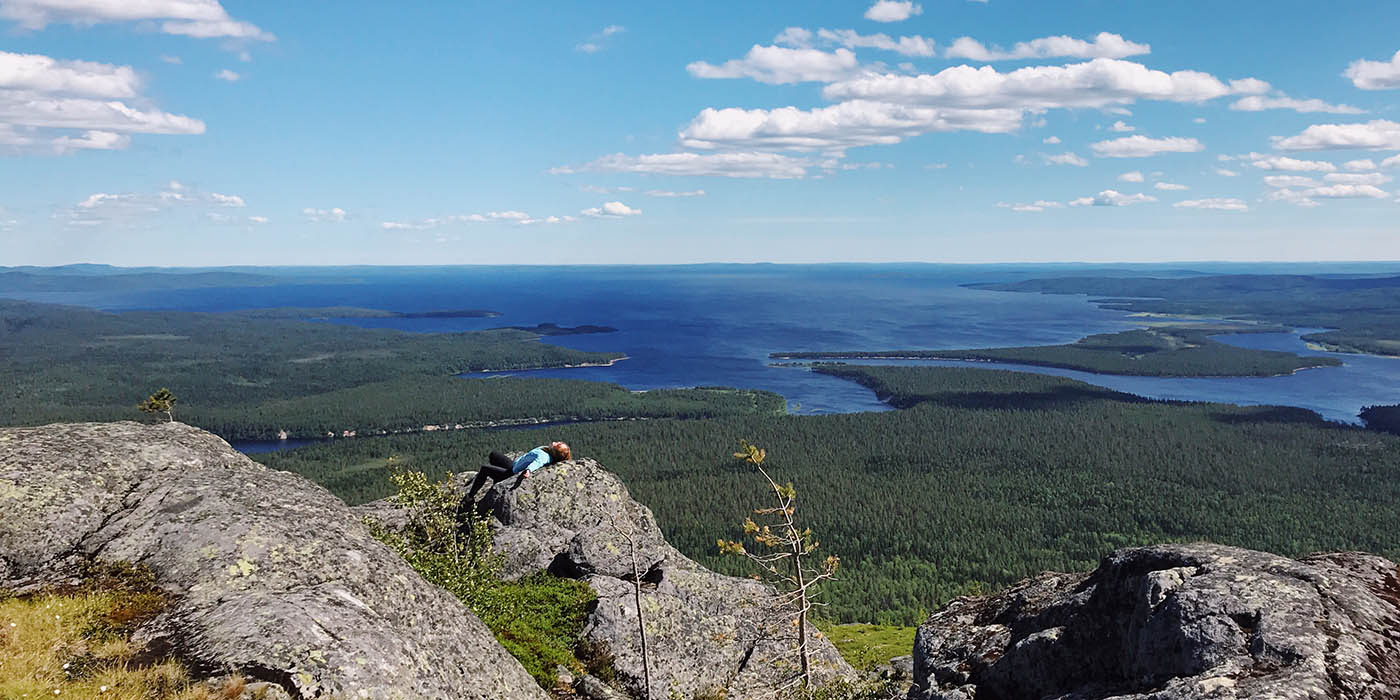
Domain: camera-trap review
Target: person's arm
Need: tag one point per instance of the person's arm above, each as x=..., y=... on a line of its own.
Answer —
x=536, y=462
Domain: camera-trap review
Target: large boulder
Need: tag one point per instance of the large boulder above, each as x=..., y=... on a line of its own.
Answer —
x=271, y=575
x=704, y=631
x=1174, y=622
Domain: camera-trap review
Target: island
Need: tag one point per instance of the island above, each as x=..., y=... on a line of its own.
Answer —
x=1161, y=351
x=328, y=312
x=550, y=329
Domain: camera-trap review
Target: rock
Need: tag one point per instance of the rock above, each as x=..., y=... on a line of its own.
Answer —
x=1174, y=622
x=272, y=576
x=704, y=631
x=594, y=689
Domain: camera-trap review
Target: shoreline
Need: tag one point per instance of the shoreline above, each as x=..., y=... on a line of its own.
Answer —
x=579, y=365
x=1048, y=365
x=502, y=423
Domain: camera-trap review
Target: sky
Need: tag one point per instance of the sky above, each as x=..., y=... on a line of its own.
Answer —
x=195, y=132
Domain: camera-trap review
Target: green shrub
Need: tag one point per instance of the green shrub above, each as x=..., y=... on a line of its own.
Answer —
x=538, y=619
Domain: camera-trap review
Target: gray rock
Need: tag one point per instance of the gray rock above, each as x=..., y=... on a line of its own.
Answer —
x=1174, y=622
x=594, y=689
x=704, y=631
x=273, y=577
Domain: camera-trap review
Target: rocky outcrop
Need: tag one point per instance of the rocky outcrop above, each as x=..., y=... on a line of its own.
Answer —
x=704, y=631
x=271, y=575
x=1174, y=622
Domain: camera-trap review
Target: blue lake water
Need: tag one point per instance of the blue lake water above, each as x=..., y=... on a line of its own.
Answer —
x=716, y=324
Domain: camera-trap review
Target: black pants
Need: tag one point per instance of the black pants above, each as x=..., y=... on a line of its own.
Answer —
x=501, y=467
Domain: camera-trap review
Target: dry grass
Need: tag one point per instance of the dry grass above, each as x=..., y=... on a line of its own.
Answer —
x=77, y=644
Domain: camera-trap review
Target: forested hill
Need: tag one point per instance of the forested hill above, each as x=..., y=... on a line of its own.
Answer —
x=1365, y=311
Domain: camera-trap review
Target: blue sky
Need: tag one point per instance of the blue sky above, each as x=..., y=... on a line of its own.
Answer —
x=189, y=132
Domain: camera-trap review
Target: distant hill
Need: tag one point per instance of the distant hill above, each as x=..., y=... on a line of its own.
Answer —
x=89, y=278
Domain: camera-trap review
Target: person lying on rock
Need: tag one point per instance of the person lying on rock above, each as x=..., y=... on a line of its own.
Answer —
x=502, y=467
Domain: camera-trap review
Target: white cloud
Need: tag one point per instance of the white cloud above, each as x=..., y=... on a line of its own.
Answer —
x=1375, y=75
x=1036, y=206
x=1284, y=163
x=849, y=38
x=1198, y=120
x=598, y=40
x=227, y=75
x=742, y=164
x=1139, y=146
x=227, y=200
x=1121, y=127
x=195, y=18
x=611, y=210
x=1170, y=187
x=779, y=65
x=41, y=96
x=840, y=126
x=518, y=218
x=1105, y=45
x=1219, y=203
x=257, y=219
x=172, y=60
x=936, y=166
x=1099, y=83
x=1226, y=172
x=333, y=215
x=1378, y=134
x=893, y=11
x=1391, y=162
x=1112, y=198
x=1064, y=159
x=1258, y=103
x=1051, y=140
x=671, y=193
x=92, y=140
x=1357, y=178
x=1131, y=176
x=1288, y=181
x=1308, y=197
x=1363, y=164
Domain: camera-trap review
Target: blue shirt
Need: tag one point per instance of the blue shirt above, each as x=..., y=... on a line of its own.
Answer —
x=532, y=460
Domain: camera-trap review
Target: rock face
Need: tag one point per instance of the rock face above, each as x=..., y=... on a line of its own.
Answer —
x=1174, y=622
x=272, y=576
x=704, y=631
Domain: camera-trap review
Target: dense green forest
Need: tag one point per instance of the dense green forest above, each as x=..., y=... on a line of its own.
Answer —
x=1365, y=311
x=1167, y=351
x=62, y=363
x=984, y=477
x=1386, y=418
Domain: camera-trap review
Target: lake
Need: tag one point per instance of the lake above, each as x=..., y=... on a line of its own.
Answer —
x=716, y=324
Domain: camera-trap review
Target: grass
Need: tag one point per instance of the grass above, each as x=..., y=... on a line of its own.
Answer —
x=539, y=620
x=868, y=646
x=76, y=643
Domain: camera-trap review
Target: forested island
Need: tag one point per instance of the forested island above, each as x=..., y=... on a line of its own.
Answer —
x=327, y=312
x=1364, y=311
x=1166, y=351
x=983, y=477
x=551, y=329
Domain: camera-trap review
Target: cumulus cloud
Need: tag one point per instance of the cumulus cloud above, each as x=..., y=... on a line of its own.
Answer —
x=227, y=200
x=1362, y=164
x=599, y=39
x=672, y=193
x=839, y=126
x=1105, y=45
x=1131, y=176
x=1224, y=172
x=611, y=210
x=1391, y=162
x=1284, y=163
x=518, y=218
x=1287, y=181
x=1170, y=187
x=740, y=164
x=849, y=38
x=1121, y=127
x=1377, y=134
x=228, y=76
x=1064, y=159
x=1219, y=203
x=1139, y=146
x=1308, y=197
x=1259, y=103
x=205, y=19
x=779, y=65
x=1356, y=178
x=119, y=209
x=1051, y=140
x=1375, y=75
x=76, y=105
x=1100, y=83
x=1112, y=198
x=893, y=11
x=333, y=215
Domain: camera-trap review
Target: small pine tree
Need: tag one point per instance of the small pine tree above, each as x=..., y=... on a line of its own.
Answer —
x=160, y=402
x=785, y=559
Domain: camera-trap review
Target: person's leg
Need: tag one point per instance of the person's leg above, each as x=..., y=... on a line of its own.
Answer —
x=492, y=472
x=499, y=459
